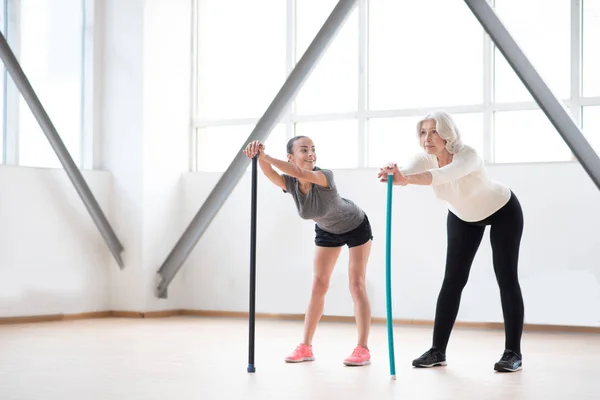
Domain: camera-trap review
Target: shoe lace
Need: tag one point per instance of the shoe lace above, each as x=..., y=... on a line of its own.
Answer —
x=300, y=348
x=358, y=351
x=431, y=354
x=509, y=356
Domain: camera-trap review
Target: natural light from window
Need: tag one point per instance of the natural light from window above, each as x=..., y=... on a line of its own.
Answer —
x=332, y=87
x=51, y=57
x=408, y=60
x=241, y=57
x=420, y=58
x=546, y=43
x=336, y=142
x=217, y=146
x=527, y=136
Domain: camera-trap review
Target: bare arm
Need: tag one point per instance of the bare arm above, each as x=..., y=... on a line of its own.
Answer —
x=273, y=175
x=288, y=168
x=267, y=162
x=256, y=148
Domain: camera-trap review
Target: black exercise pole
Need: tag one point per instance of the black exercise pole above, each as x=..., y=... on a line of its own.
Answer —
x=252, y=312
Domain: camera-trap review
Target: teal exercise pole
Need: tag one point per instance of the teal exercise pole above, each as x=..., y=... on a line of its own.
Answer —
x=388, y=276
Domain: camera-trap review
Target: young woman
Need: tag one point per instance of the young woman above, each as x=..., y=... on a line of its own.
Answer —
x=458, y=176
x=338, y=222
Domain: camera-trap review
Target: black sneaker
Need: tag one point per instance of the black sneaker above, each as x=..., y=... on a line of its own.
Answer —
x=431, y=358
x=510, y=362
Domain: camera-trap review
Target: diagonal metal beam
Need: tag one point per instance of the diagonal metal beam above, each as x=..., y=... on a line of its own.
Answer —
x=20, y=79
x=263, y=128
x=543, y=96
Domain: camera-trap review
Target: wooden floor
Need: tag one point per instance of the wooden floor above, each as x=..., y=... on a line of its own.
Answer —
x=206, y=358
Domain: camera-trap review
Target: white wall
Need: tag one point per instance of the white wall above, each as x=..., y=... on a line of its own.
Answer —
x=559, y=270
x=167, y=124
x=52, y=257
x=145, y=134
x=54, y=260
x=121, y=133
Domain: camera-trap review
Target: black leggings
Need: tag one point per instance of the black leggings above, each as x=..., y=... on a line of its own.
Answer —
x=463, y=241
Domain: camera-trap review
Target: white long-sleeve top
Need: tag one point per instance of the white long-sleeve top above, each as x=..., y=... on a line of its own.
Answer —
x=463, y=184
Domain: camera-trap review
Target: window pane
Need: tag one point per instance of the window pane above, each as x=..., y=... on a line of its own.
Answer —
x=333, y=84
x=336, y=142
x=591, y=44
x=591, y=126
x=241, y=56
x=527, y=136
x=218, y=146
x=392, y=140
x=546, y=43
x=471, y=130
x=51, y=56
x=424, y=53
x=395, y=139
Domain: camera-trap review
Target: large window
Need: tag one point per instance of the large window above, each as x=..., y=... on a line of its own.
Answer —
x=241, y=57
x=546, y=44
x=51, y=56
x=391, y=140
x=335, y=141
x=418, y=57
x=218, y=145
x=47, y=36
x=390, y=63
x=333, y=85
x=528, y=135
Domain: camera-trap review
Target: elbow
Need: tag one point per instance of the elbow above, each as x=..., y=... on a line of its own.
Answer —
x=428, y=179
x=299, y=173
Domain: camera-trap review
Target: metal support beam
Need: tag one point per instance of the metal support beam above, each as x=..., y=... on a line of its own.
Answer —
x=20, y=79
x=547, y=101
x=263, y=128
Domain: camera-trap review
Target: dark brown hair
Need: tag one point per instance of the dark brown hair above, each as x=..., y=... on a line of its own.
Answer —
x=290, y=144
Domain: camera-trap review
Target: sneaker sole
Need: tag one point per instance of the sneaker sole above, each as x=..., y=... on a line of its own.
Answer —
x=352, y=364
x=438, y=364
x=503, y=369
x=300, y=360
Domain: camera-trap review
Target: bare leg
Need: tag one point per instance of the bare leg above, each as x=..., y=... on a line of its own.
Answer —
x=357, y=269
x=324, y=262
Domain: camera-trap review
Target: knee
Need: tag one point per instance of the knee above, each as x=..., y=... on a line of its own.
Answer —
x=358, y=288
x=320, y=286
x=454, y=282
x=508, y=283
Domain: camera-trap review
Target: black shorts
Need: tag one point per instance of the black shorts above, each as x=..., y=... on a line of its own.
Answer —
x=356, y=237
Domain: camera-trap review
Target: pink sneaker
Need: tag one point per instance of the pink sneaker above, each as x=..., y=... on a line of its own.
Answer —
x=360, y=356
x=300, y=354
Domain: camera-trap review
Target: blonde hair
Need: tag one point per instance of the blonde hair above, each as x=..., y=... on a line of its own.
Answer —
x=446, y=128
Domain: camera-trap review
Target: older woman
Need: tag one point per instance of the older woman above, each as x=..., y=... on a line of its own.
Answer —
x=458, y=176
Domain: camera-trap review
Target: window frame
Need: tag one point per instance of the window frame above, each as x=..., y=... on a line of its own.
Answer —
x=488, y=107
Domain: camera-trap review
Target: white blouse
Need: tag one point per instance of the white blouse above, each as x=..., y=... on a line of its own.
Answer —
x=463, y=184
